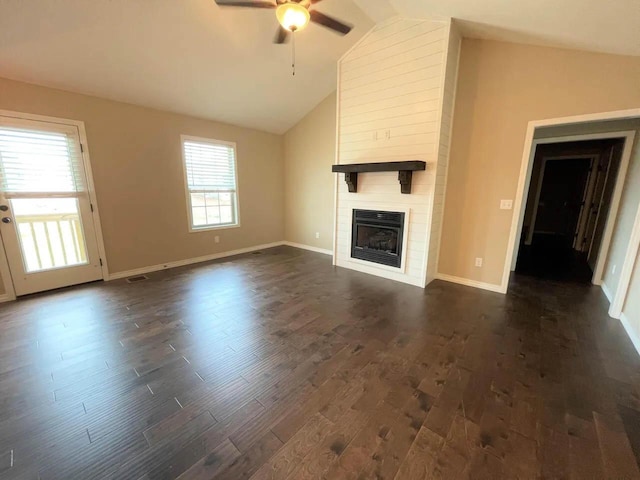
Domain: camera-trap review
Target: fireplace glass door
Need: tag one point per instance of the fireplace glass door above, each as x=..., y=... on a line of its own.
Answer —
x=377, y=236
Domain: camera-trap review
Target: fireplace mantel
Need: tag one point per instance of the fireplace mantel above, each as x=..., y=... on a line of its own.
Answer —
x=404, y=169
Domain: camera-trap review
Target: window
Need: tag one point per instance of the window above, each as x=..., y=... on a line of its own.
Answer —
x=211, y=183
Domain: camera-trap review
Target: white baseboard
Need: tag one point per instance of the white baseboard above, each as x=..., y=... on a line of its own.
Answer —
x=607, y=292
x=189, y=261
x=470, y=283
x=633, y=335
x=308, y=247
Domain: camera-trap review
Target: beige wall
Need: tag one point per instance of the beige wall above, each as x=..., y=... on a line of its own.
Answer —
x=310, y=150
x=501, y=88
x=137, y=169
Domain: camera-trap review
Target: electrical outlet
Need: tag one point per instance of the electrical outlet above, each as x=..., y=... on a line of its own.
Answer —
x=478, y=262
x=506, y=204
x=317, y=234
x=216, y=239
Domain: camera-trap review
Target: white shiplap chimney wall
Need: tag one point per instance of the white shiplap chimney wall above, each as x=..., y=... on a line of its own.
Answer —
x=396, y=90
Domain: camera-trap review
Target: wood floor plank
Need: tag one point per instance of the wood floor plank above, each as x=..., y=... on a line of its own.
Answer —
x=282, y=464
x=318, y=461
x=214, y=462
x=420, y=461
x=279, y=365
x=204, y=449
x=617, y=457
x=250, y=461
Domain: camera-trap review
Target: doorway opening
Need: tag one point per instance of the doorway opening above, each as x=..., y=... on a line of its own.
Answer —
x=568, y=204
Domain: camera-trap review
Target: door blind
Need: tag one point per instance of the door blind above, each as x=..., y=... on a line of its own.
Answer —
x=34, y=161
x=210, y=167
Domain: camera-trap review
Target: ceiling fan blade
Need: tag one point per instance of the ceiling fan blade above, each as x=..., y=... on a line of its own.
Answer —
x=256, y=4
x=282, y=35
x=330, y=22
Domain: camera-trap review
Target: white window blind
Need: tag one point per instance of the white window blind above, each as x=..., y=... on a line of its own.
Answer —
x=210, y=174
x=39, y=162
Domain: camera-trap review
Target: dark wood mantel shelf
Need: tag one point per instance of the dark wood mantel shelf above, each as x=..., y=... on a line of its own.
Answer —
x=404, y=169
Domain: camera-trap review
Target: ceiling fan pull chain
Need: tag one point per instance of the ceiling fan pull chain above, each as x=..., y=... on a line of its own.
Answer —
x=293, y=52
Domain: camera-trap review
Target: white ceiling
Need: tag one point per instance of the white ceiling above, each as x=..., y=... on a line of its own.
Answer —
x=611, y=26
x=192, y=57
x=186, y=56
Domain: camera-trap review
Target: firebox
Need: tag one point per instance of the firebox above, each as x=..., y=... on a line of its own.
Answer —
x=377, y=236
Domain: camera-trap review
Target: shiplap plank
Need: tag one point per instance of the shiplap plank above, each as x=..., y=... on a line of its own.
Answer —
x=387, y=36
x=405, y=41
x=393, y=141
x=427, y=75
x=382, y=78
x=425, y=119
x=400, y=88
x=395, y=153
x=409, y=109
x=429, y=56
x=360, y=124
x=405, y=99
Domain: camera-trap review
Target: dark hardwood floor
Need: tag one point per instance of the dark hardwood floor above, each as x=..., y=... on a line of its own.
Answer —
x=276, y=365
x=552, y=257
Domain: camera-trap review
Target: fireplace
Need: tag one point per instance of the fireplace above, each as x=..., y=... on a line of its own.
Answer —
x=377, y=236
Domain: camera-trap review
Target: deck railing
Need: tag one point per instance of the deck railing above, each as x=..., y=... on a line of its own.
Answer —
x=51, y=240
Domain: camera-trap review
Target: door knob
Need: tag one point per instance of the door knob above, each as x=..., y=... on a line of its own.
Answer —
x=6, y=220
x=4, y=208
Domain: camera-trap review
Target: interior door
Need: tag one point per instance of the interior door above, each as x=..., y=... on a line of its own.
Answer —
x=561, y=197
x=594, y=206
x=593, y=236
x=45, y=211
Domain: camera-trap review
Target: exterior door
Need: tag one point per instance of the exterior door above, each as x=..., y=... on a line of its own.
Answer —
x=46, y=217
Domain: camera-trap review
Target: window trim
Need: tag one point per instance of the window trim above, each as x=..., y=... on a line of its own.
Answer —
x=187, y=192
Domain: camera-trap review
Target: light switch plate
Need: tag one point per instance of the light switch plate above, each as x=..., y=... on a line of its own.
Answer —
x=506, y=204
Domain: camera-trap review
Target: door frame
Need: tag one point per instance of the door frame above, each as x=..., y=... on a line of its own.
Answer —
x=525, y=178
x=620, y=297
x=521, y=198
x=546, y=159
x=5, y=271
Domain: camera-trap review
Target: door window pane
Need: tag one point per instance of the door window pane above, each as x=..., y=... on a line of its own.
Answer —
x=49, y=232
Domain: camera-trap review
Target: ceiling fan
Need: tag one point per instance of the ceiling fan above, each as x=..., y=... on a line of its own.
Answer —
x=293, y=15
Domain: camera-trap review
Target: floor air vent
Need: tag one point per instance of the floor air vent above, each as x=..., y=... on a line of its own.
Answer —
x=137, y=278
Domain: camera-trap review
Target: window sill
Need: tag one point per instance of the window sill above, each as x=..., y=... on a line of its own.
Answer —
x=213, y=227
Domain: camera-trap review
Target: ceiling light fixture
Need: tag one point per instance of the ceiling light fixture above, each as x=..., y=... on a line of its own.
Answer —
x=292, y=16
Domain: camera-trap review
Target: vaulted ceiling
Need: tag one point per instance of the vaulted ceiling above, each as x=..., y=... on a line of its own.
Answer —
x=193, y=57
x=610, y=26
x=186, y=56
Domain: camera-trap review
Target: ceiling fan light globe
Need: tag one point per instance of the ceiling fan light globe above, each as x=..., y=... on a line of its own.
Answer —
x=292, y=16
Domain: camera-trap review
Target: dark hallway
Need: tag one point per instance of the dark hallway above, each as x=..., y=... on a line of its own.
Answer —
x=567, y=208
